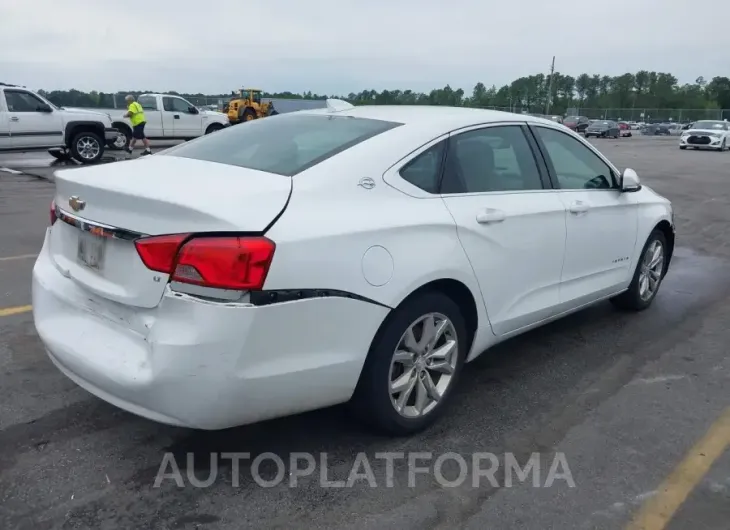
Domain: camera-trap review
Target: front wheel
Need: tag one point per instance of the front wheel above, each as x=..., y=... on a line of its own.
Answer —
x=122, y=139
x=413, y=365
x=87, y=147
x=648, y=275
x=213, y=128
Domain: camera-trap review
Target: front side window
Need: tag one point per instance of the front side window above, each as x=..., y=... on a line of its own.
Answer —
x=424, y=170
x=286, y=144
x=575, y=166
x=19, y=101
x=490, y=159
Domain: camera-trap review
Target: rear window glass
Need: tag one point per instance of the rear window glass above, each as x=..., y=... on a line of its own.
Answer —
x=284, y=144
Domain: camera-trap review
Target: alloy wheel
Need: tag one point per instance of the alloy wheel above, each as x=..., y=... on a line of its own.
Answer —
x=652, y=267
x=423, y=365
x=88, y=148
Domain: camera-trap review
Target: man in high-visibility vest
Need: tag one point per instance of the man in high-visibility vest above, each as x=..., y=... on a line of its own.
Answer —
x=135, y=113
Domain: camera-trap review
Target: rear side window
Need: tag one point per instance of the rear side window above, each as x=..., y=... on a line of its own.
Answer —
x=424, y=171
x=148, y=102
x=284, y=144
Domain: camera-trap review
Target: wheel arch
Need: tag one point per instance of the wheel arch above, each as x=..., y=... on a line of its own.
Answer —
x=666, y=228
x=455, y=289
x=75, y=127
x=122, y=127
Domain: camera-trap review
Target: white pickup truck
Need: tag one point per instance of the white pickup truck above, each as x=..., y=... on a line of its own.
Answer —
x=29, y=122
x=168, y=117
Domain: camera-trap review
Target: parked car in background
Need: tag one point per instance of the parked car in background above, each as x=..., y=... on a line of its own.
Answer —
x=603, y=129
x=656, y=129
x=687, y=126
x=180, y=294
x=675, y=129
x=169, y=117
x=625, y=128
x=29, y=122
x=577, y=123
x=706, y=134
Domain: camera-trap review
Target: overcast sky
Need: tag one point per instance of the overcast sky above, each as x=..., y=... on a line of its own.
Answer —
x=342, y=46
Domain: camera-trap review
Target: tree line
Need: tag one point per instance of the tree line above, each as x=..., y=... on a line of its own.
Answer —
x=556, y=94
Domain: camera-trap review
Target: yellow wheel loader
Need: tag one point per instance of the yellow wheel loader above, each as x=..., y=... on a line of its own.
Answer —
x=246, y=105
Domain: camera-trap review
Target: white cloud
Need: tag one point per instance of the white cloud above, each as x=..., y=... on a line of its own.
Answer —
x=338, y=46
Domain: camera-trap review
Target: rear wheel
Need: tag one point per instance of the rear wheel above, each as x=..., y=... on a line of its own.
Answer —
x=648, y=275
x=87, y=147
x=413, y=365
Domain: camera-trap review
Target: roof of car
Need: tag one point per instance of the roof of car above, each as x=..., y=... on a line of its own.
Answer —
x=415, y=114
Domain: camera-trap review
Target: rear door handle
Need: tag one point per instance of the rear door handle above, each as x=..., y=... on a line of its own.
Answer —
x=14, y=118
x=490, y=215
x=579, y=207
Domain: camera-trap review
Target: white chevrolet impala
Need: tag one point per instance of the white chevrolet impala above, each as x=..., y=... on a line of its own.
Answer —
x=347, y=254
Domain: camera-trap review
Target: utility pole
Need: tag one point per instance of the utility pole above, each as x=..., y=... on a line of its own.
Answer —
x=550, y=88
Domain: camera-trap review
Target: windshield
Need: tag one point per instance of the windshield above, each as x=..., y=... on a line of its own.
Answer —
x=718, y=125
x=285, y=145
x=599, y=124
x=571, y=119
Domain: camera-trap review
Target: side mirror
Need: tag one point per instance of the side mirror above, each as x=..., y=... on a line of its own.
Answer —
x=44, y=108
x=630, y=181
x=193, y=110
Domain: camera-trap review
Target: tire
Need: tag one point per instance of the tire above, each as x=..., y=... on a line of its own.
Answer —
x=373, y=401
x=87, y=147
x=247, y=115
x=723, y=146
x=683, y=147
x=213, y=128
x=632, y=299
x=124, y=136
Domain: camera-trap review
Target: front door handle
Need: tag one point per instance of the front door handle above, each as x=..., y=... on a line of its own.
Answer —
x=490, y=215
x=579, y=207
x=14, y=118
x=176, y=116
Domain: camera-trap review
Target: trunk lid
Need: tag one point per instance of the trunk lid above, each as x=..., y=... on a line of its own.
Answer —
x=153, y=196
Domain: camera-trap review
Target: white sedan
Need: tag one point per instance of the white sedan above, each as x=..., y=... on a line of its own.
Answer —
x=706, y=134
x=359, y=254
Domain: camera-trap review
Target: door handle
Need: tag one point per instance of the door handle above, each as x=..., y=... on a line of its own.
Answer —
x=14, y=118
x=490, y=215
x=579, y=207
x=176, y=116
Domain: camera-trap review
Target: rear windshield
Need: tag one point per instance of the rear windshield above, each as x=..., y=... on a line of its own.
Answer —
x=571, y=119
x=284, y=144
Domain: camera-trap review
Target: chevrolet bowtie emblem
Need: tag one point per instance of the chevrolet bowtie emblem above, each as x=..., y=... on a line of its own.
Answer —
x=76, y=204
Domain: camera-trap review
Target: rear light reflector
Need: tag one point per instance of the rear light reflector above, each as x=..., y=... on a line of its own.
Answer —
x=223, y=262
x=54, y=217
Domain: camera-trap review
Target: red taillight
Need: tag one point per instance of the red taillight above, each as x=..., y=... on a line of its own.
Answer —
x=54, y=217
x=226, y=262
x=159, y=253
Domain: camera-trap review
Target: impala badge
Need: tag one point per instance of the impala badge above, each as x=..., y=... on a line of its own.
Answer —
x=76, y=204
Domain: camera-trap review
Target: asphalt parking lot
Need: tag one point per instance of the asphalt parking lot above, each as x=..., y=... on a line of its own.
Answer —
x=635, y=404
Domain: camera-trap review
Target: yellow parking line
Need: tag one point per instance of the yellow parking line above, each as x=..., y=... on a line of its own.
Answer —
x=22, y=256
x=658, y=511
x=6, y=312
